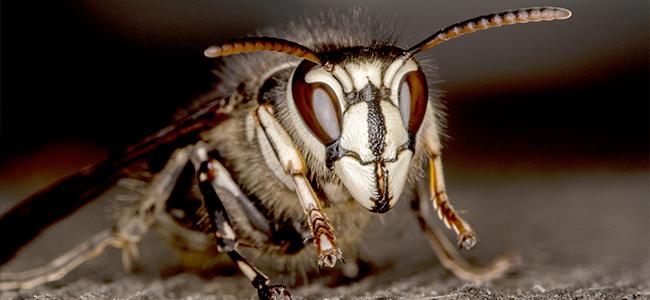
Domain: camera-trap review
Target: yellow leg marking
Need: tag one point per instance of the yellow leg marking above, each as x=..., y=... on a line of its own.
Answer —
x=446, y=212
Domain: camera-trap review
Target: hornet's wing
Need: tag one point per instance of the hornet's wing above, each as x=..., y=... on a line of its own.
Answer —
x=32, y=215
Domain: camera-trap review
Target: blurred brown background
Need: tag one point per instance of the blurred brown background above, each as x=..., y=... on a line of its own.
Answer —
x=99, y=75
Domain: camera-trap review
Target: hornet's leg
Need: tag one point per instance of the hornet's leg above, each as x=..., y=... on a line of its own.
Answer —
x=125, y=234
x=446, y=212
x=211, y=175
x=449, y=256
x=59, y=267
x=271, y=134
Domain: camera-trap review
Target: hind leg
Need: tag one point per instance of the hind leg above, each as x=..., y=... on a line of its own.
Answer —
x=61, y=266
x=125, y=234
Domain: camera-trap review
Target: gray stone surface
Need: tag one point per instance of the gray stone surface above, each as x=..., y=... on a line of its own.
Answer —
x=581, y=235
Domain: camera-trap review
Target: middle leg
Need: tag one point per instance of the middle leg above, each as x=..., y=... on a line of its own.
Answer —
x=215, y=221
x=449, y=256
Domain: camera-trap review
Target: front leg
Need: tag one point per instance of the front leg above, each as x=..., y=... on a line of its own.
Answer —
x=270, y=132
x=446, y=212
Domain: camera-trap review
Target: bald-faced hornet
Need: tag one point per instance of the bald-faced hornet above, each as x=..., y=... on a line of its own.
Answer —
x=303, y=124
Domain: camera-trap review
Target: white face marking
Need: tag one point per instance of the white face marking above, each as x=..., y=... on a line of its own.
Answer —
x=396, y=134
x=354, y=136
x=358, y=179
x=361, y=182
x=358, y=174
x=318, y=74
x=398, y=173
x=365, y=73
x=391, y=70
x=343, y=78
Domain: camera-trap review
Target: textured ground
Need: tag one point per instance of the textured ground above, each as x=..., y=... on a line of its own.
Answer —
x=582, y=235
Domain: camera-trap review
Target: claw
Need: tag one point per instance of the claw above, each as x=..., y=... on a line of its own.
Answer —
x=467, y=240
x=274, y=292
x=329, y=257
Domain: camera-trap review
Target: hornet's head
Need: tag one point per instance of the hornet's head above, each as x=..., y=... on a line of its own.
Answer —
x=366, y=110
x=361, y=108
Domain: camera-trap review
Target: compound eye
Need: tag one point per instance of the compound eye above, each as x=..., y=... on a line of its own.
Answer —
x=318, y=106
x=413, y=95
